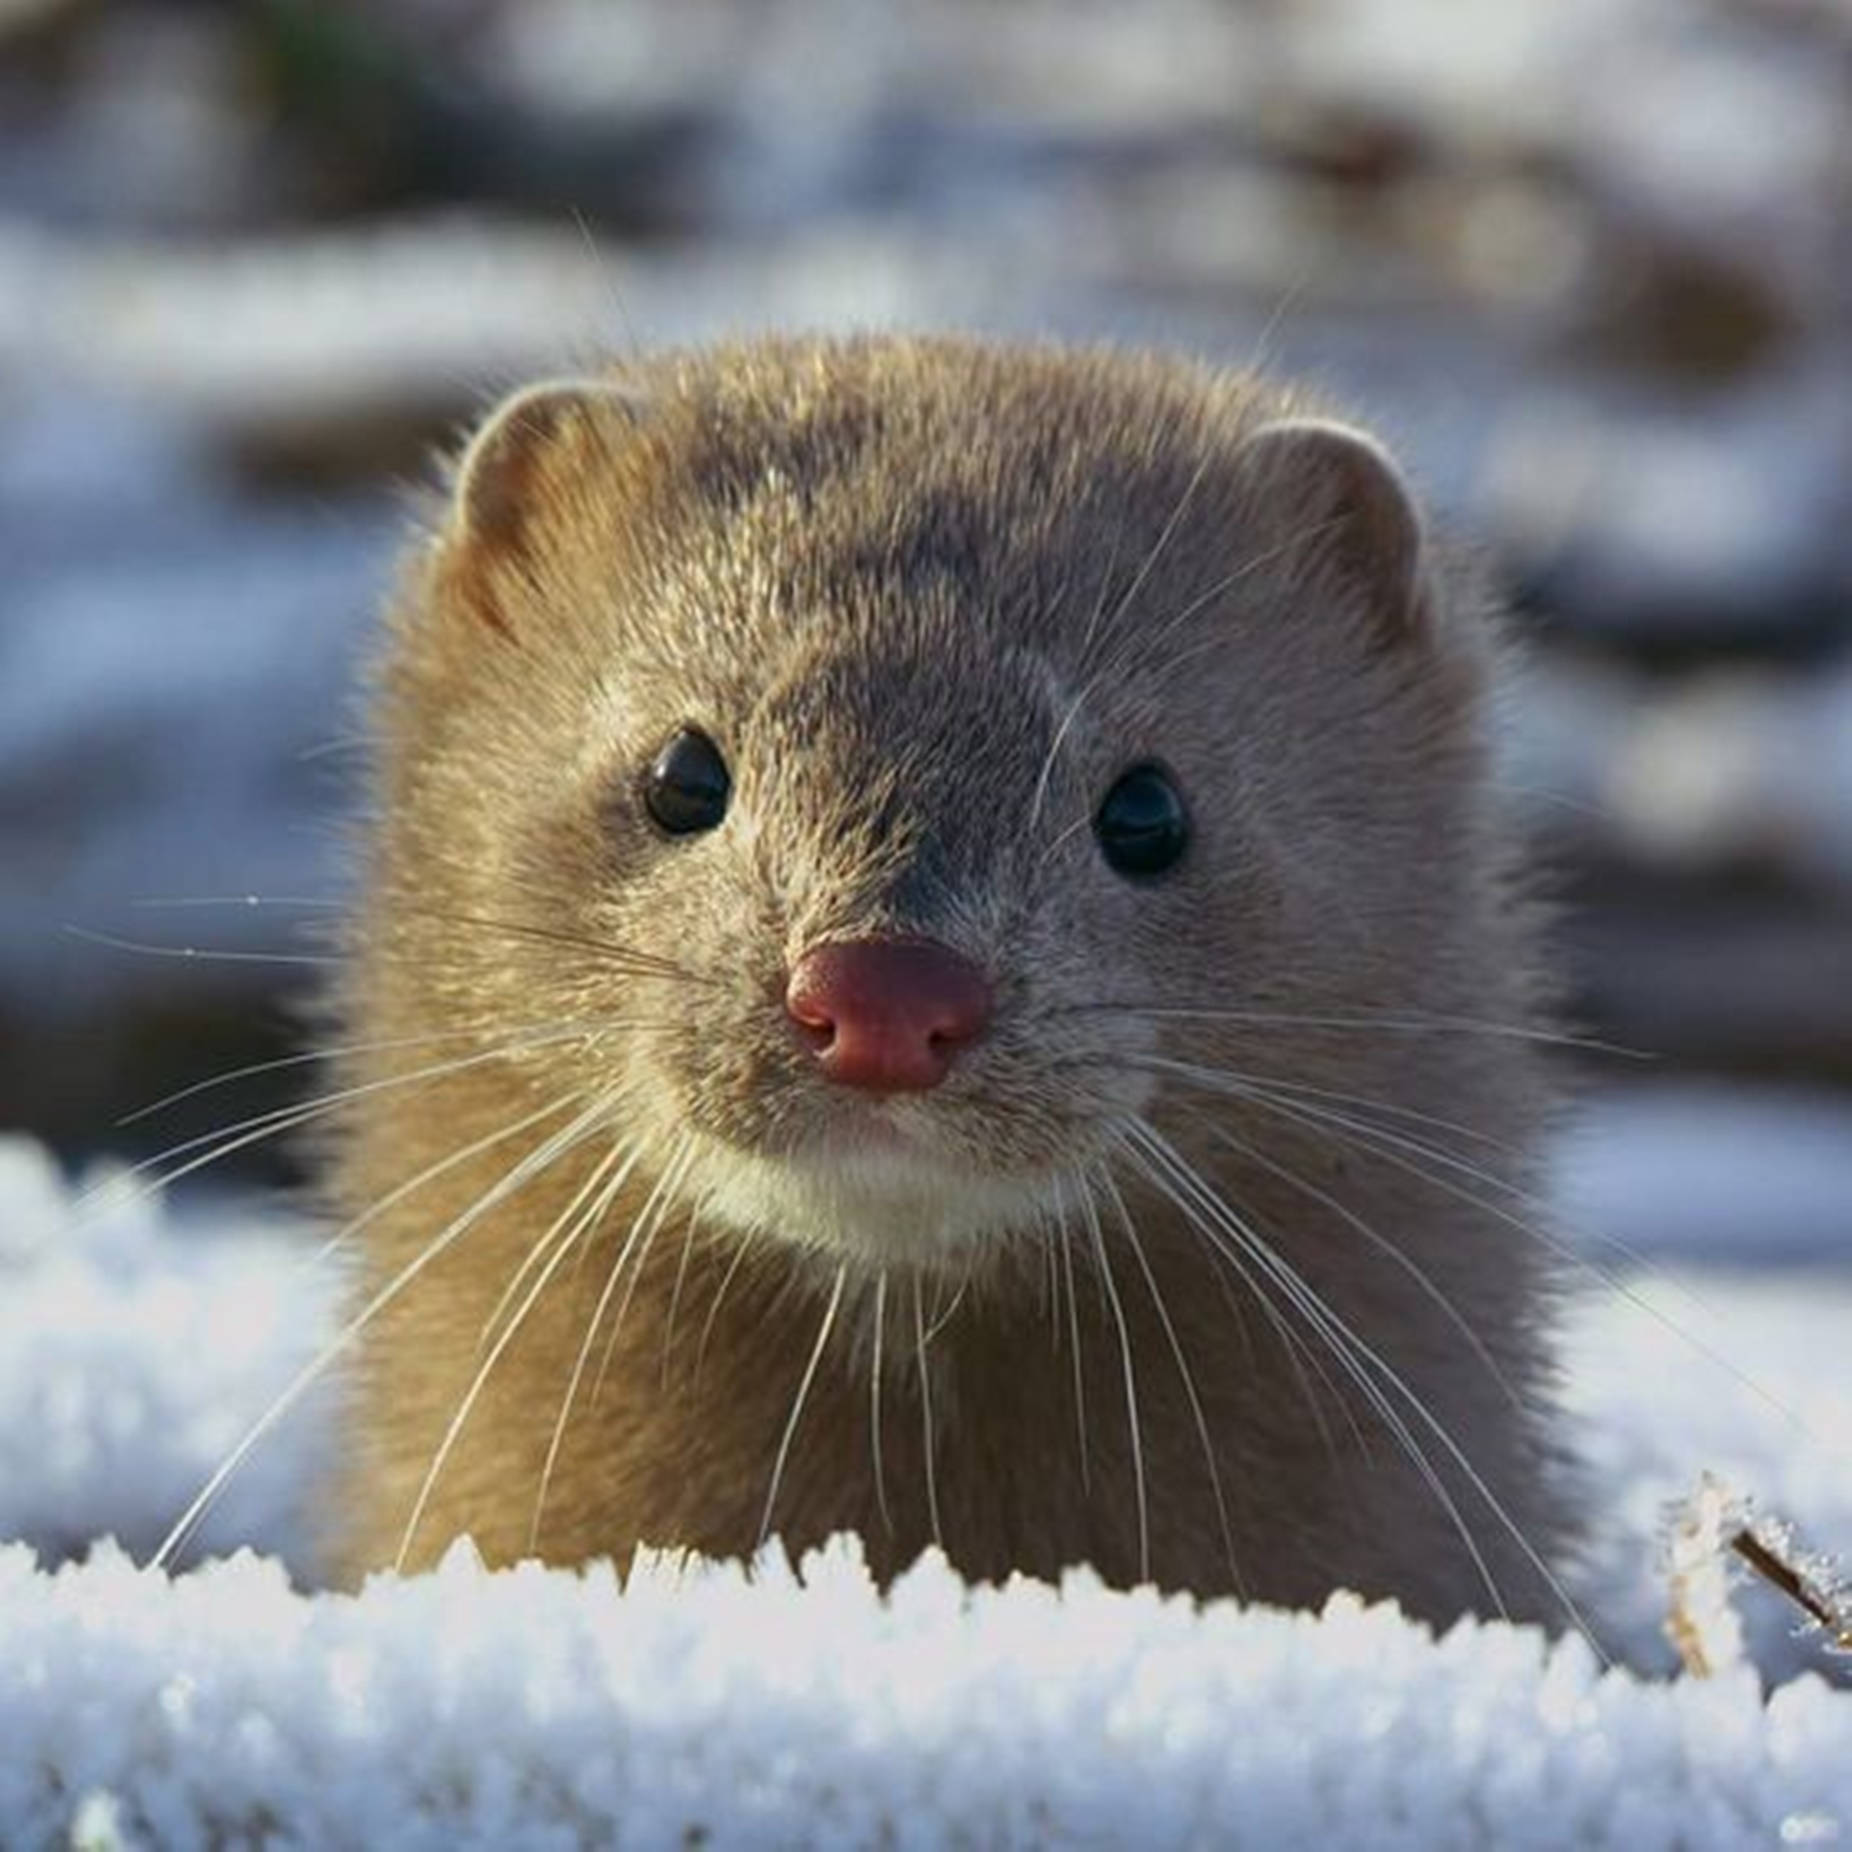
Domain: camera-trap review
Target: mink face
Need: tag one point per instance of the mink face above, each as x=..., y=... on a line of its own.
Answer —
x=755, y=660
x=935, y=962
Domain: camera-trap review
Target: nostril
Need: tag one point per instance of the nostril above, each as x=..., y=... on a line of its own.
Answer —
x=804, y=1005
x=818, y=1032
x=960, y=1023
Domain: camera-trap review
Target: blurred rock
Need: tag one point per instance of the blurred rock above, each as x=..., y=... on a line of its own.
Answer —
x=31, y=28
x=1638, y=521
x=1702, y=830
x=351, y=353
x=1715, y=978
x=1687, y=314
x=1733, y=774
x=145, y=121
x=174, y=668
x=1657, y=1173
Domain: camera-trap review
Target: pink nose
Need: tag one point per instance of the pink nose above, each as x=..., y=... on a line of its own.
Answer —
x=887, y=1015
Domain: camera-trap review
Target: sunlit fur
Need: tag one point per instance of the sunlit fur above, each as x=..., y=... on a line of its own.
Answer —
x=1209, y=1263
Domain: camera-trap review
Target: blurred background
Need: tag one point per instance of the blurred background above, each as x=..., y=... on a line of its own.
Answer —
x=1588, y=263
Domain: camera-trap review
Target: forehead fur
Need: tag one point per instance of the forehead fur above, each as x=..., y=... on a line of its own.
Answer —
x=909, y=469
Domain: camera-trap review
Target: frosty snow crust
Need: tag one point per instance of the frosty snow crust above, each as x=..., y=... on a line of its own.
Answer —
x=472, y=1708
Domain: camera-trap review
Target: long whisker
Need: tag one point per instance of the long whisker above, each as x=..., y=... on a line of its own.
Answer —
x=1389, y=1146
x=1099, y=603
x=281, y=1119
x=681, y=1279
x=1091, y=1215
x=1304, y=1361
x=198, y=954
x=1387, y=1023
x=537, y=1250
x=874, y=1405
x=1313, y=1303
x=570, y=1230
x=306, y=1058
x=626, y=956
x=1383, y=1245
x=1162, y=541
x=1183, y=1371
x=1073, y=709
x=654, y=1213
x=164, y=903
x=304, y=1378
x=400, y=1191
x=600, y=1210
x=919, y=1352
x=1240, y=1083
x=1220, y=1222
x=1166, y=627
x=1154, y=635
x=803, y=1393
x=741, y=1248
x=1064, y=1242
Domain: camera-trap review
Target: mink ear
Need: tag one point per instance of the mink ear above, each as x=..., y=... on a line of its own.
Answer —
x=1355, y=509
x=549, y=422
x=554, y=430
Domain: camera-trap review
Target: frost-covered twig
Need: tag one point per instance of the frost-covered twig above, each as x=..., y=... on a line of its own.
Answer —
x=1712, y=1533
x=1811, y=1580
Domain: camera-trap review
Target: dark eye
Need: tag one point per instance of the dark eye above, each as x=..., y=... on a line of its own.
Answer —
x=688, y=785
x=1141, y=825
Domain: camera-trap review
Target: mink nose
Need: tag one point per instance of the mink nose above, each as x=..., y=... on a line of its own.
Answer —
x=887, y=1015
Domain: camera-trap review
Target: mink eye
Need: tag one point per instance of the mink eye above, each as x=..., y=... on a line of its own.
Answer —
x=1141, y=825
x=688, y=784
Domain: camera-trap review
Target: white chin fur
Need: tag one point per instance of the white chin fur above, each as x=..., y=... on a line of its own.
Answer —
x=882, y=1207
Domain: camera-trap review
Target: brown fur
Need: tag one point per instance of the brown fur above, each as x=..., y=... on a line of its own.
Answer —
x=879, y=573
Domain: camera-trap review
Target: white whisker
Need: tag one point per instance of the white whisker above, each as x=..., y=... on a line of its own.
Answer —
x=1383, y=1245
x=681, y=1279
x=1063, y=1241
x=650, y=1219
x=874, y=1404
x=288, y=1118
x=1240, y=1083
x=919, y=1351
x=537, y=1250
x=1348, y=1349
x=797, y=1404
x=572, y=1230
x=1357, y=1352
x=312, y=1370
x=1304, y=1361
x=1104, y=1262
x=1183, y=1370
x=741, y=1248
x=1386, y=1023
x=1379, y=1142
x=600, y=1210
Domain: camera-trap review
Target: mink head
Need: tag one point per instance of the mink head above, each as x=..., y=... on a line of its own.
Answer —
x=886, y=771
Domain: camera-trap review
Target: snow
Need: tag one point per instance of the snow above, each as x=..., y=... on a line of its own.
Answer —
x=533, y=1707
x=704, y=1705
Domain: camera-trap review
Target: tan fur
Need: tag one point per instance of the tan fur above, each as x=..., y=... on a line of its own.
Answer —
x=890, y=577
